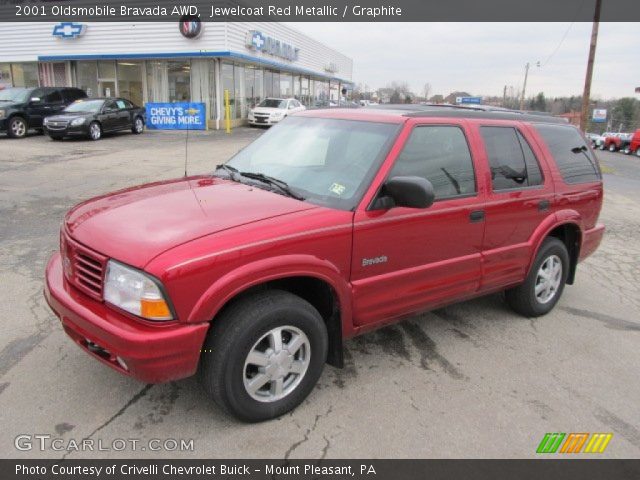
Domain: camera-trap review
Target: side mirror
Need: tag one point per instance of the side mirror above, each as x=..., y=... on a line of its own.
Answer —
x=411, y=192
x=35, y=100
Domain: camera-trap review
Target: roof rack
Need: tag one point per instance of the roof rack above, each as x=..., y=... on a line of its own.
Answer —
x=473, y=111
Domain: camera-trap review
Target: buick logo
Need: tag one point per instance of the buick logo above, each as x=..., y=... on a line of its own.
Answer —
x=190, y=26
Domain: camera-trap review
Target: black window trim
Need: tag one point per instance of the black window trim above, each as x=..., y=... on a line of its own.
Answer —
x=515, y=189
x=461, y=127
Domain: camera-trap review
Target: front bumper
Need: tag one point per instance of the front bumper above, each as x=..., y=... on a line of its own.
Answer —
x=151, y=353
x=591, y=240
x=80, y=130
x=267, y=122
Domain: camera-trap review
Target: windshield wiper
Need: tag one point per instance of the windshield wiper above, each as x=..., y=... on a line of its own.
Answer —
x=230, y=170
x=279, y=184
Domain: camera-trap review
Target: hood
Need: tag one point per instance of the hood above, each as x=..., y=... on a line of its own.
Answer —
x=267, y=110
x=69, y=116
x=137, y=224
x=5, y=105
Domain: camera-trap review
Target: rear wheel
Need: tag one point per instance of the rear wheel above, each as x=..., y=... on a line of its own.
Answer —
x=17, y=127
x=544, y=285
x=263, y=355
x=95, y=131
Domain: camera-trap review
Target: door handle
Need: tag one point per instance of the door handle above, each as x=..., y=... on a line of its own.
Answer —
x=543, y=205
x=476, y=216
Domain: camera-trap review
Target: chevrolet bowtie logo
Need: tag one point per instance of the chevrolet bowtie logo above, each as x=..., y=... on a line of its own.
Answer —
x=192, y=111
x=68, y=30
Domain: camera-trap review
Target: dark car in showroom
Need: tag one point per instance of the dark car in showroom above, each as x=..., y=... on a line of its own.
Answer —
x=22, y=109
x=94, y=117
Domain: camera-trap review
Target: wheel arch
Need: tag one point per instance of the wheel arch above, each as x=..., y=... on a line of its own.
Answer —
x=568, y=231
x=317, y=282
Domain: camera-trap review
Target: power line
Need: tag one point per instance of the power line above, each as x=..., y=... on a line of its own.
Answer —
x=546, y=62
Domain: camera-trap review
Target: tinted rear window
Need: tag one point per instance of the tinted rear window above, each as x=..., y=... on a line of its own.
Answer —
x=574, y=158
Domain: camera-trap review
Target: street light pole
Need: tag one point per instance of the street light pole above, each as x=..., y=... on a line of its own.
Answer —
x=592, y=54
x=524, y=86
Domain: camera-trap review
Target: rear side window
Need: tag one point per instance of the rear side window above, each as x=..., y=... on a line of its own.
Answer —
x=574, y=159
x=512, y=162
x=441, y=155
x=71, y=94
x=52, y=96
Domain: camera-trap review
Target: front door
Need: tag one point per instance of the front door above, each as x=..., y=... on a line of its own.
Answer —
x=107, y=88
x=408, y=260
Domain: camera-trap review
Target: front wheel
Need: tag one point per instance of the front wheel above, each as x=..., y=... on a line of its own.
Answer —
x=138, y=126
x=95, y=131
x=544, y=285
x=638, y=152
x=263, y=355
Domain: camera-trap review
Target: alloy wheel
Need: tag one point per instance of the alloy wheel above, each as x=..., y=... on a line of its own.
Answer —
x=548, y=279
x=94, y=131
x=139, y=126
x=276, y=364
x=18, y=127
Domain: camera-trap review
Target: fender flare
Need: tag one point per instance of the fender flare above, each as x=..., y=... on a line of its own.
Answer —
x=557, y=219
x=256, y=273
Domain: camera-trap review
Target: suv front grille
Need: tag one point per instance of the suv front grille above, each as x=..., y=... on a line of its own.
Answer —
x=83, y=267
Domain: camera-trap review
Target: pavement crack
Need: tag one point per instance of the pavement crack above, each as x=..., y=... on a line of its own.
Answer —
x=307, y=434
x=131, y=402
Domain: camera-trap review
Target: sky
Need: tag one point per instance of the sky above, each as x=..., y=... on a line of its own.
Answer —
x=481, y=58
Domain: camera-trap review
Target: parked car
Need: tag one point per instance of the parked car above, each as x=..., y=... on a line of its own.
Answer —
x=332, y=224
x=24, y=108
x=93, y=117
x=633, y=146
x=595, y=139
x=625, y=143
x=271, y=110
x=613, y=141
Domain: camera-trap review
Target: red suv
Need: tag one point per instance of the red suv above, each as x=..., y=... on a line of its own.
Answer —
x=331, y=224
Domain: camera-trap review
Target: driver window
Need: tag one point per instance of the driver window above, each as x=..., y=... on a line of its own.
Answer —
x=440, y=154
x=110, y=105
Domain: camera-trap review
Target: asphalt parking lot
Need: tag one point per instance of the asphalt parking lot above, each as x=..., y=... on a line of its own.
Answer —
x=473, y=380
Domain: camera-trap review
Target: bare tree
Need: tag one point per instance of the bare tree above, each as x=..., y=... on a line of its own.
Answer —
x=426, y=90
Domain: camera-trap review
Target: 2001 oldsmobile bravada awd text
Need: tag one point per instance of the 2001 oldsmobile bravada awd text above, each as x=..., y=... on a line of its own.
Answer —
x=331, y=224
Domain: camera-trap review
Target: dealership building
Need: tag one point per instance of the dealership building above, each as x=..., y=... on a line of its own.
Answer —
x=176, y=62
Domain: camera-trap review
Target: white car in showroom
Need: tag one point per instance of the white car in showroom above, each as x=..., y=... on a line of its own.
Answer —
x=272, y=110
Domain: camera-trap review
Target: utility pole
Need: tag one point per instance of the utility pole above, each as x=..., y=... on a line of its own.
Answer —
x=524, y=86
x=504, y=97
x=592, y=54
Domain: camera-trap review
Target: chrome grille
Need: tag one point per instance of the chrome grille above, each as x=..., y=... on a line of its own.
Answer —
x=56, y=125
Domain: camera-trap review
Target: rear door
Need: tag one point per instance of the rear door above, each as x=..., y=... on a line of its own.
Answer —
x=124, y=113
x=520, y=196
x=407, y=260
x=50, y=103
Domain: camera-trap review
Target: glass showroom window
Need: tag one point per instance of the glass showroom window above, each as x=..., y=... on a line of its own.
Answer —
x=179, y=81
x=286, y=85
x=5, y=75
x=238, y=91
x=259, y=86
x=130, y=84
x=275, y=88
x=249, y=85
x=157, y=78
x=228, y=84
x=268, y=83
x=305, y=94
x=296, y=87
x=87, y=77
x=24, y=74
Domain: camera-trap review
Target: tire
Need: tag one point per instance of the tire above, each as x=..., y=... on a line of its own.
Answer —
x=602, y=146
x=612, y=147
x=523, y=298
x=638, y=152
x=251, y=325
x=95, y=131
x=17, y=127
x=138, y=126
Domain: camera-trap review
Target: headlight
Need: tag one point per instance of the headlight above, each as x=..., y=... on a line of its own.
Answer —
x=3, y=113
x=77, y=121
x=135, y=292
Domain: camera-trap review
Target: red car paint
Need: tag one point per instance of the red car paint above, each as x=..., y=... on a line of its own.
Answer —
x=208, y=240
x=634, y=145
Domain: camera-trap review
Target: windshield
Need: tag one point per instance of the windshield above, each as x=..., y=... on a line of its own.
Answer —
x=14, y=95
x=329, y=162
x=273, y=103
x=92, y=106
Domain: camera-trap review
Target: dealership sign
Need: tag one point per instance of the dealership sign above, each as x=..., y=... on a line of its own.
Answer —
x=260, y=42
x=599, y=115
x=176, y=116
x=469, y=100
